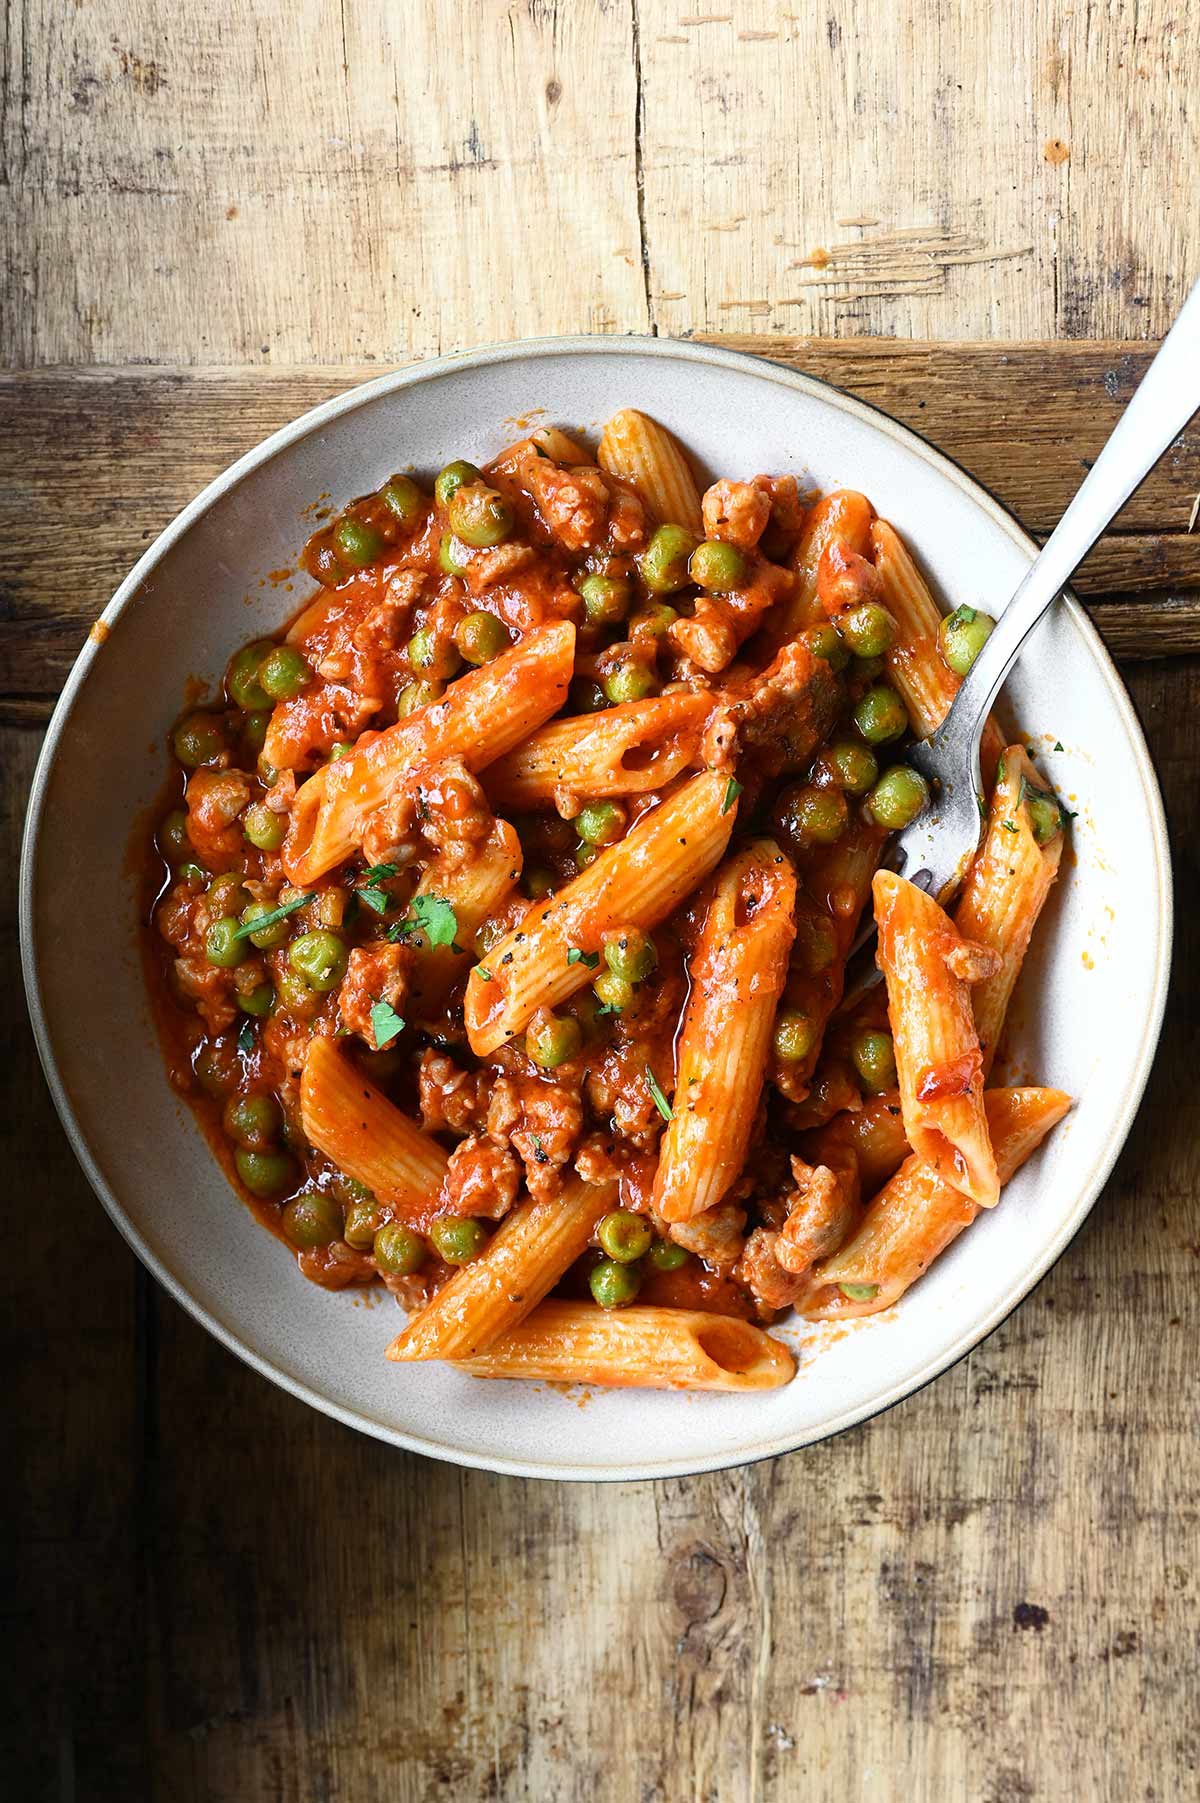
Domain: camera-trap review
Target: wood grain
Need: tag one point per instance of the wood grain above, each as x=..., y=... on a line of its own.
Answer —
x=117, y=453
x=322, y=183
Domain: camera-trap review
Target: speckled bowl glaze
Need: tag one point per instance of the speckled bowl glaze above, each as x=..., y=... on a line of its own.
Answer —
x=1102, y=953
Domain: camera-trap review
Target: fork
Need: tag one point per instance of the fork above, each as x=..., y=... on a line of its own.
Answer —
x=935, y=851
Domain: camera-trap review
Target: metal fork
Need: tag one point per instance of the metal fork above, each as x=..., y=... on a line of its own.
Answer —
x=936, y=849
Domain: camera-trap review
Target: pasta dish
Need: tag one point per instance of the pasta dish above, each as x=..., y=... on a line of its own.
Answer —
x=502, y=904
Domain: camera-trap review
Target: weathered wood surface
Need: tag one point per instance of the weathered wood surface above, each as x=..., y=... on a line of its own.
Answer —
x=96, y=462
x=264, y=182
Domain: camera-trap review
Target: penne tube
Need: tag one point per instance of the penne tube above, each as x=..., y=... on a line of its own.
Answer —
x=928, y=968
x=480, y=717
x=549, y=441
x=737, y=976
x=643, y=453
x=624, y=750
x=476, y=880
x=533, y=1247
x=915, y=664
x=1007, y=886
x=872, y=1136
x=644, y=1348
x=635, y=883
x=840, y=517
x=560, y=447
x=367, y=1136
x=918, y=1213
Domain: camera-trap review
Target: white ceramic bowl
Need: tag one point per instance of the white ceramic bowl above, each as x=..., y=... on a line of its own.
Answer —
x=1087, y=1014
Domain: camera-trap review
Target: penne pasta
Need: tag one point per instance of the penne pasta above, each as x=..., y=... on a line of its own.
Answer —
x=534, y=1246
x=625, y=750
x=928, y=968
x=919, y=1212
x=1007, y=886
x=646, y=1348
x=841, y=517
x=928, y=686
x=476, y=880
x=635, y=883
x=643, y=453
x=367, y=1136
x=481, y=716
x=737, y=975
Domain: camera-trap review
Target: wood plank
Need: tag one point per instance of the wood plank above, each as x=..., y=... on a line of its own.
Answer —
x=311, y=182
x=116, y=455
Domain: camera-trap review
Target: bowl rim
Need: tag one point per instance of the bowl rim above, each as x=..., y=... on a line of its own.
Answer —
x=362, y=394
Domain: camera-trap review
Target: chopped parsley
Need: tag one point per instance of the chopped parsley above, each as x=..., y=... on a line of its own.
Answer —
x=733, y=789
x=245, y=1037
x=385, y=1024
x=1010, y=826
x=660, y=1101
x=1058, y=744
x=375, y=899
x=379, y=873
x=575, y=956
x=483, y=973
x=268, y=920
x=607, y=1008
x=430, y=915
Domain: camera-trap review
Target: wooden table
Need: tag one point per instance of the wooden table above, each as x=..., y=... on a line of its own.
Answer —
x=222, y=215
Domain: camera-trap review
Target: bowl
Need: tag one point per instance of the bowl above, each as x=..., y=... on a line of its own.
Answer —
x=1101, y=954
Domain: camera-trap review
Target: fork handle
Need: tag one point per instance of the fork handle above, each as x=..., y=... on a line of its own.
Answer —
x=1168, y=395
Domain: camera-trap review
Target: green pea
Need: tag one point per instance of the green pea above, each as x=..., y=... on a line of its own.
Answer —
x=962, y=636
x=654, y=621
x=258, y=1001
x=267, y=1174
x=1045, y=818
x=457, y=1241
x=812, y=816
x=455, y=476
x=173, y=842
x=869, y=630
x=399, y=1251
x=867, y=669
x=431, y=656
x=199, y=740
x=263, y=827
x=403, y=499
x=267, y=773
x=795, y=1035
x=827, y=643
x=601, y=822
x=452, y=555
x=816, y=942
x=630, y=955
x=242, y=682
x=293, y=992
x=898, y=797
x=479, y=516
x=194, y=875
x=629, y=681
x=254, y=732
x=221, y=947
x=859, y=1292
x=227, y=894
x=417, y=694
x=320, y=957
x=585, y=696
x=254, y=1121
x=664, y=562
x=356, y=542
x=874, y=1058
x=361, y=1224
x=550, y=1039
x=538, y=882
x=341, y=748
x=270, y=936
x=349, y=1190
x=283, y=673
x=481, y=637
x=854, y=766
x=880, y=715
x=717, y=566
x=624, y=1236
x=312, y=1219
x=665, y=1255
x=616, y=993
x=606, y=598
x=321, y=560
x=612, y=1284
x=216, y=1066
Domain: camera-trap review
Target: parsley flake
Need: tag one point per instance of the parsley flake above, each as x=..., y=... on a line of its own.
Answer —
x=608, y=1008
x=733, y=789
x=1010, y=826
x=375, y=899
x=245, y=1037
x=379, y=873
x=483, y=973
x=431, y=915
x=575, y=956
x=1058, y=744
x=660, y=1101
x=268, y=920
x=385, y=1025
